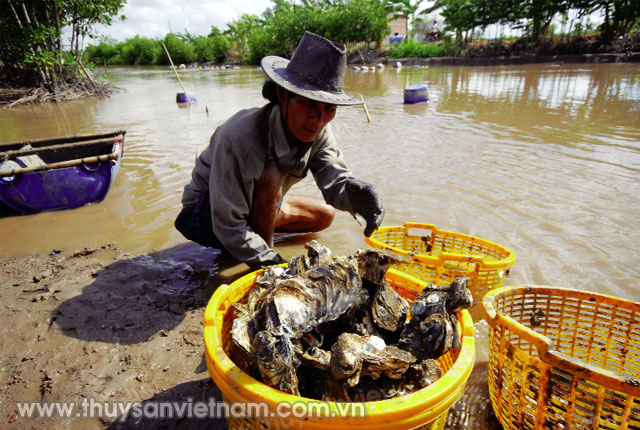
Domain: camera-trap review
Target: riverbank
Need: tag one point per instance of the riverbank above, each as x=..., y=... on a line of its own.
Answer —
x=100, y=325
x=632, y=57
x=552, y=49
x=81, y=88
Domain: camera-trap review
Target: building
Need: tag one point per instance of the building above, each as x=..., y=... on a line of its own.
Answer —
x=398, y=29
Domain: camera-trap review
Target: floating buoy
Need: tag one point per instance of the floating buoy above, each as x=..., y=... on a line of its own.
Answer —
x=416, y=93
x=380, y=66
x=182, y=98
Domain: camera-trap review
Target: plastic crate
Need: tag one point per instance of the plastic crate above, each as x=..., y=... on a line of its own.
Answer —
x=439, y=256
x=425, y=409
x=563, y=359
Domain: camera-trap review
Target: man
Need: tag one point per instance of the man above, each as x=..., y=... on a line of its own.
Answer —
x=237, y=197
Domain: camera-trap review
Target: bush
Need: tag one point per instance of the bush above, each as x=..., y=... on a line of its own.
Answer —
x=414, y=49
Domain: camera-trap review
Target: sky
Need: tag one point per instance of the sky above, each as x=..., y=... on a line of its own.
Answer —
x=156, y=18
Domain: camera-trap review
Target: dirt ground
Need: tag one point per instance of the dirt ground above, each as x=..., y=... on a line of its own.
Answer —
x=104, y=325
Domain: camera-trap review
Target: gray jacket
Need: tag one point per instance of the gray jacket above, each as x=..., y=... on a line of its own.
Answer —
x=234, y=159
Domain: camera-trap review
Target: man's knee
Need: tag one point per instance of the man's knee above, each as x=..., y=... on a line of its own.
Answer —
x=326, y=214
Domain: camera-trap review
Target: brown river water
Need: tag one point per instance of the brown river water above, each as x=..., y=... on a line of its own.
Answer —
x=543, y=159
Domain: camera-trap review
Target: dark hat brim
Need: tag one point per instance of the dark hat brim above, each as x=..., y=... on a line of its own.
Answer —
x=276, y=69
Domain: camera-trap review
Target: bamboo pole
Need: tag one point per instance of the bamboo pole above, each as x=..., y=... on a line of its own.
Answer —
x=86, y=73
x=30, y=151
x=62, y=164
x=366, y=111
x=176, y=72
x=66, y=139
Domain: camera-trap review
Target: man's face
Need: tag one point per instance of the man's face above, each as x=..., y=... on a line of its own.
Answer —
x=306, y=118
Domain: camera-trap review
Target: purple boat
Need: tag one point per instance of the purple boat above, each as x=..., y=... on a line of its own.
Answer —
x=58, y=173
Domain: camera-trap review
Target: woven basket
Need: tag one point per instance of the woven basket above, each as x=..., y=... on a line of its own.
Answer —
x=563, y=359
x=439, y=256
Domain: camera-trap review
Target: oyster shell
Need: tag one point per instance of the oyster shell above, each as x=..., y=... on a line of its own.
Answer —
x=317, y=254
x=276, y=359
x=302, y=302
x=432, y=330
x=240, y=347
x=373, y=264
x=418, y=376
x=353, y=356
x=388, y=308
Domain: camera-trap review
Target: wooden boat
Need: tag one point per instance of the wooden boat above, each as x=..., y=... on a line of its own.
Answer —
x=58, y=173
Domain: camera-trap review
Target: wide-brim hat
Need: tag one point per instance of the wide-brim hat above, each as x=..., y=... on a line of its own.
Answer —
x=315, y=71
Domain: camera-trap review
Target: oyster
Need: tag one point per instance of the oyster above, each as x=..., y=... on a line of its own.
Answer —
x=318, y=358
x=353, y=356
x=373, y=264
x=276, y=359
x=302, y=302
x=317, y=254
x=388, y=308
x=240, y=344
x=432, y=330
x=418, y=376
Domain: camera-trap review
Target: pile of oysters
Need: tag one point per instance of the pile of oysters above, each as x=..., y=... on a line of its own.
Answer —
x=331, y=328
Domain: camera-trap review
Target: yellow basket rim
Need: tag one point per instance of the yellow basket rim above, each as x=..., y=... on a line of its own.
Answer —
x=225, y=372
x=508, y=261
x=545, y=347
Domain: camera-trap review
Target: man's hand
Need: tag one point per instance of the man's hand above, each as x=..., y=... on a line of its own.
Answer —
x=366, y=203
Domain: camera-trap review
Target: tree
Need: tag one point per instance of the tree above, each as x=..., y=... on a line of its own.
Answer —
x=180, y=51
x=31, y=44
x=620, y=16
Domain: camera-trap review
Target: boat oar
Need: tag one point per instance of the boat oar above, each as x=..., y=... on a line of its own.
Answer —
x=176, y=72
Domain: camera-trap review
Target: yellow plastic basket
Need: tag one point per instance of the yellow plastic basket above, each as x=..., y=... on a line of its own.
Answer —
x=563, y=359
x=426, y=408
x=439, y=256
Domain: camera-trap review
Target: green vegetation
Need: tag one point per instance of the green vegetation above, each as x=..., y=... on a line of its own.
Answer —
x=276, y=32
x=417, y=49
x=31, y=45
x=535, y=16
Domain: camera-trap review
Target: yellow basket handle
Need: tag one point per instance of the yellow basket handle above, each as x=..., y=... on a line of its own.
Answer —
x=447, y=256
x=444, y=256
x=548, y=354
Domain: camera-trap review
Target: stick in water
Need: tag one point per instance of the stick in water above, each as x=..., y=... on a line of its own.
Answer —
x=176, y=72
x=366, y=111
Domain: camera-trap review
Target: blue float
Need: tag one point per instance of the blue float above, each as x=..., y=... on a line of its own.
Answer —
x=182, y=97
x=416, y=93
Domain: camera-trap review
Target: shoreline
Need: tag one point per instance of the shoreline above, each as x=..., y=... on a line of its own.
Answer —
x=632, y=57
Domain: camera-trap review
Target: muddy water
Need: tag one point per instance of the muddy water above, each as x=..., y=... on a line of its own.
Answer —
x=543, y=159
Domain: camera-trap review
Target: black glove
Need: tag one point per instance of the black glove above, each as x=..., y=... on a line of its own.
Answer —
x=366, y=203
x=278, y=259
